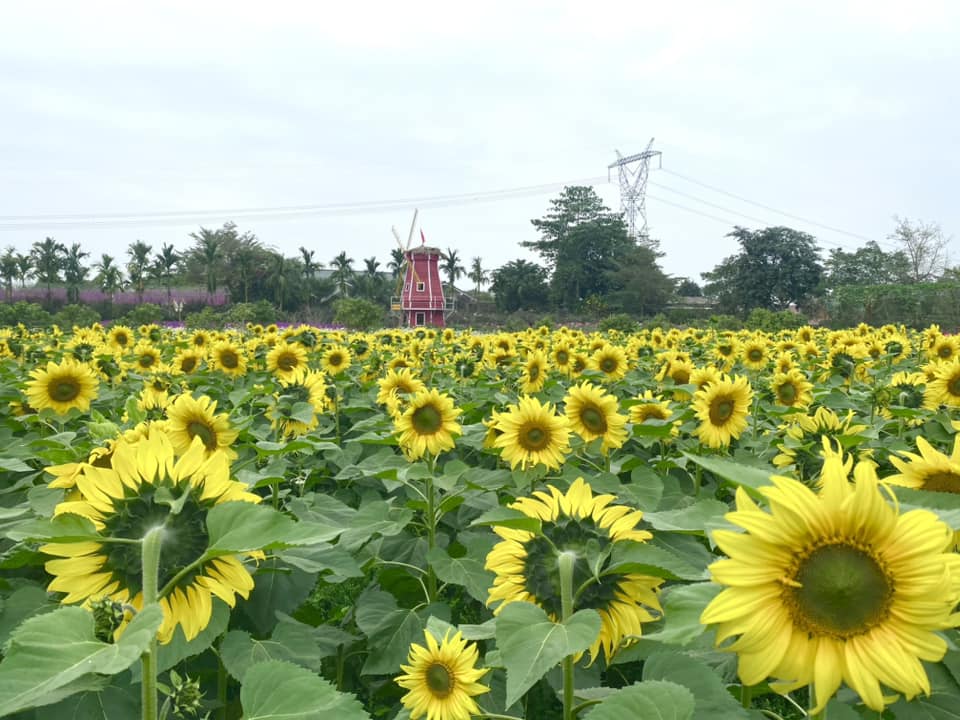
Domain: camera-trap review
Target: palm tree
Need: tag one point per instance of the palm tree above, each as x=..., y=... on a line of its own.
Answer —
x=477, y=274
x=48, y=261
x=24, y=268
x=9, y=271
x=243, y=261
x=164, y=264
x=451, y=266
x=74, y=272
x=310, y=267
x=342, y=272
x=278, y=278
x=139, y=253
x=397, y=258
x=109, y=276
x=207, y=251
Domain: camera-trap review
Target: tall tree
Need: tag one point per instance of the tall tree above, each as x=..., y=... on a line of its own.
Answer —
x=924, y=246
x=310, y=267
x=581, y=242
x=165, y=266
x=48, y=262
x=638, y=286
x=477, y=275
x=9, y=271
x=74, y=272
x=208, y=253
x=775, y=266
x=244, y=255
x=342, y=272
x=396, y=261
x=520, y=285
x=868, y=265
x=279, y=268
x=24, y=268
x=451, y=266
x=109, y=276
x=139, y=253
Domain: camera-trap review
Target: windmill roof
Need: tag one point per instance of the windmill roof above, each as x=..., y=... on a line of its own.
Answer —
x=425, y=250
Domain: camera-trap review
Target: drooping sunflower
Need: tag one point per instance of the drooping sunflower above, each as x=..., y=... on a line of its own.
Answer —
x=229, y=358
x=302, y=386
x=930, y=470
x=834, y=587
x=62, y=387
x=285, y=359
x=428, y=425
x=336, y=360
x=398, y=383
x=723, y=408
x=791, y=389
x=944, y=389
x=804, y=437
x=594, y=414
x=526, y=568
x=189, y=417
x=611, y=360
x=124, y=501
x=532, y=433
x=441, y=679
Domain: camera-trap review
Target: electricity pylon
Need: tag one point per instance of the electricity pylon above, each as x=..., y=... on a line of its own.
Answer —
x=633, y=171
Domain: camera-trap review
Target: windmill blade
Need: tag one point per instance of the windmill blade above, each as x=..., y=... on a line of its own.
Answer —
x=413, y=224
x=396, y=235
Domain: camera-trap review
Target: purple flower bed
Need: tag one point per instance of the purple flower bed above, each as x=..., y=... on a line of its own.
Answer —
x=156, y=296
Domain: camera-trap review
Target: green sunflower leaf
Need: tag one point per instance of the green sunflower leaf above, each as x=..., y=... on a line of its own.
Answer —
x=654, y=699
x=241, y=526
x=531, y=643
x=277, y=689
x=681, y=613
x=61, y=529
x=710, y=694
x=510, y=518
x=466, y=571
x=634, y=557
x=58, y=651
x=749, y=477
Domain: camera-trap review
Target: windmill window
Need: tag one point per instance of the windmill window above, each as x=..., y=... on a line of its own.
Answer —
x=420, y=318
x=406, y=287
x=420, y=287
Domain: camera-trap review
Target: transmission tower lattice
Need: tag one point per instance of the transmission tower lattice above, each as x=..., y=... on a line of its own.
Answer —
x=633, y=171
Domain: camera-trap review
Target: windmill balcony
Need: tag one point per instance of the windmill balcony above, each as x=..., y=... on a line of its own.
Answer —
x=435, y=303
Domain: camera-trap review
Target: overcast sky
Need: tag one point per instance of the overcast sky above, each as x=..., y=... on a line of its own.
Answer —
x=842, y=113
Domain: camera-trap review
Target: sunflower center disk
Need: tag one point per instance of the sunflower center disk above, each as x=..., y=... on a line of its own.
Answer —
x=720, y=410
x=287, y=362
x=64, y=391
x=533, y=438
x=534, y=372
x=844, y=592
x=953, y=387
x=229, y=360
x=948, y=482
x=439, y=680
x=562, y=357
x=608, y=365
x=755, y=355
x=787, y=393
x=188, y=364
x=427, y=420
x=204, y=432
x=593, y=420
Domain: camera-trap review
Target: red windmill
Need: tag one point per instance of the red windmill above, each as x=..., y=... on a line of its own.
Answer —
x=419, y=296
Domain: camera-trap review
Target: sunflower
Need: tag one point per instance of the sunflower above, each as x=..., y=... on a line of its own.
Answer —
x=441, y=679
x=834, y=587
x=930, y=470
x=611, y=360
x=944, y=349
x=189, y=417
x=285, y=359
x=428, y=424
x=62, y=387
x=593, y=414
x=200, y=339
x=398, y=383
x=804, y=436
x=336, y=360
x=534, y=373
x=561, y=355
x=187, y=361
x=526, y=569
x=754, y=353
x=791, y=389
x=531, y=433
x=944, y=389
x=301, y=386
x=722, y=408
x=229, y=358
x=650, y=407
x=155, y=394
x=124, y=501
x=120, y=337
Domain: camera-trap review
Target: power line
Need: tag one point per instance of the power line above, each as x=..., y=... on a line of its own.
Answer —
x=741, y=198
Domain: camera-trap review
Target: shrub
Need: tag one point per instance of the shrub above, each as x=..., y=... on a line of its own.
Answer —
x=144, y=315
x=358, y=314
x=620, y=321
x=79, y=315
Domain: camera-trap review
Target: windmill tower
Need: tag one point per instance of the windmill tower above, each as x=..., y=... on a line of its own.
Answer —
x=419, y=295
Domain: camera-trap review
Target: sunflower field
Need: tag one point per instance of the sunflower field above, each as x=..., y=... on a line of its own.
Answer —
x=301, y=523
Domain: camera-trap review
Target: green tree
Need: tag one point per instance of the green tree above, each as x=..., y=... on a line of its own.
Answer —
x=109, y=276
x=396, y=262
x=358, y=313
x=164, y=268
x=48, y=257
x=925, y=248
x=342, y=272
x=451, y=266
x=24, y=268
x=868, y=265
x=581, y=242
x=638, y=286
x=279, y=270
x=211, y=248
x=310, y=267
x=137, y=267
x=244, y=255
x=371, y=284
x=477, y=275
x=775, y=266
x=74, y=272
x=688, y=288
x=9, y=271
x=520, y=285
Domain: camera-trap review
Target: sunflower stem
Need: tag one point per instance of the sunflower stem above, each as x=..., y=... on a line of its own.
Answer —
x=746, y=693
x=566, y=563
x=431, y=528
x=150, y=561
